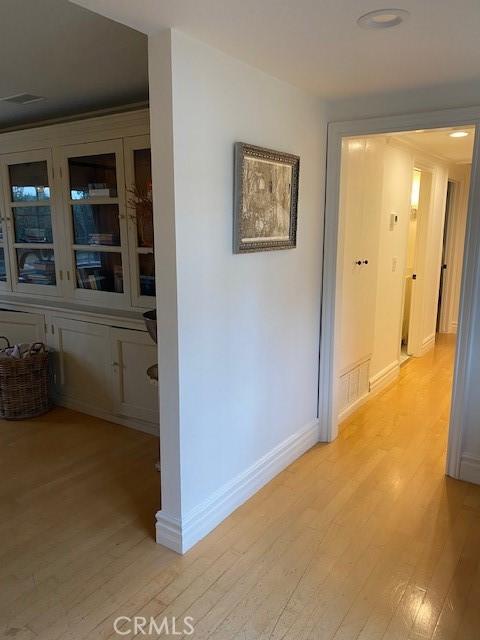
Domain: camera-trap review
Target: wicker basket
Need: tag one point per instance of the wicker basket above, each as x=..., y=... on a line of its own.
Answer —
x=24, y=384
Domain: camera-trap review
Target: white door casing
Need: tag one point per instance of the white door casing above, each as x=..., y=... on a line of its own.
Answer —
x=327, y=399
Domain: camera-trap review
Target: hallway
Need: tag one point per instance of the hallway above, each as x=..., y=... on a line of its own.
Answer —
x=363, y=538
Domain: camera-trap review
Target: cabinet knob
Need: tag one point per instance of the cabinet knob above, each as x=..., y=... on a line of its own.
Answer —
x=359, y=262
x=365, y=262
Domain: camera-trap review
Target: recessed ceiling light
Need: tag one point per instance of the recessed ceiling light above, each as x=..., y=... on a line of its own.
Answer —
x=383, y=18
x=458, y=134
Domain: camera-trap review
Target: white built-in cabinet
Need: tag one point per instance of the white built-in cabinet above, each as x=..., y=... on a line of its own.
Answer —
x=82, y=370
x=104, y=368
x=77, y=260
x=96, y=368
x=132, y=354
x=75, y=224
x=22, y=327
x=138, y=174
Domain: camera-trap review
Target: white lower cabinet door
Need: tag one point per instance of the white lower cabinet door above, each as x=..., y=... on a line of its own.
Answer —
x=83, y=366
x=20, y=326
x=135, y=394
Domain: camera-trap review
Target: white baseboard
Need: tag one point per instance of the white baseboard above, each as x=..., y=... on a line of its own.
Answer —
x=343, y=415
x=470, y=468
x=131, y=423
x=427, y=344
x=376, y=384
x=199, y=521
x=169, y=532
x=384, y=377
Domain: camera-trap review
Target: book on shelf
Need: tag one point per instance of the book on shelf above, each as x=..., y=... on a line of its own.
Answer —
x=35, y=235
x=102, y=238
x=86, y=279
x=34, y=276
x=92, y=281
x=47, y=267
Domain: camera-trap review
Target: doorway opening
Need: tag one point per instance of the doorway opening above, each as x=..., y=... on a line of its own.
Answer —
x=399, y=231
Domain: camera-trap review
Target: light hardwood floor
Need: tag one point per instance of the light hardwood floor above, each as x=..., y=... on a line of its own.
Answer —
x=364, y=538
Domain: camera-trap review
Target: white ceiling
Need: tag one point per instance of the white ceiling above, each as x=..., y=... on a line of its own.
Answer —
x=439, y=143
x=78, y=60
x=317, y=45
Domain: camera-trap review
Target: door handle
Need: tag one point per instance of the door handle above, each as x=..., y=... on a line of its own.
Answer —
x=414, y=276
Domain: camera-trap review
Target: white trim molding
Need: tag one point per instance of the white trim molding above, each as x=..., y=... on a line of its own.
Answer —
x=470, y=468
x=343, y=415
x=169, y=531
x=181, y=534
x=383, y=378
x=376, y=384
x=328, y=376
x=131, y=423
x=427, y=344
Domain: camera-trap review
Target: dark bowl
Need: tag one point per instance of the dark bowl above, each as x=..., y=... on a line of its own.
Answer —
x=150, y=319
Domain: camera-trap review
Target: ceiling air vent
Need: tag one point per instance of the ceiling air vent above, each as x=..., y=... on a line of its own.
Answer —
x=22, y=98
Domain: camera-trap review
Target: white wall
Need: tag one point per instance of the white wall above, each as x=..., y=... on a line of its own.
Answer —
x=248, y=325
x=238, y=379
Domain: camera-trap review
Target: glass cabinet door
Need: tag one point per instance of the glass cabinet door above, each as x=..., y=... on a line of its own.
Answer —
x=29, y=223
x=138, y=170
x=93, y=178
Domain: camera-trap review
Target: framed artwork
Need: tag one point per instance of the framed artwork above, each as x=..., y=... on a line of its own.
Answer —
x=265, y=199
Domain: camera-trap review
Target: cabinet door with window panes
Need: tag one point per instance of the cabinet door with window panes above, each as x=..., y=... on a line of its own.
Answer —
x=94, y=199
x=138, y=177
x=29, y=223
x=4, y=262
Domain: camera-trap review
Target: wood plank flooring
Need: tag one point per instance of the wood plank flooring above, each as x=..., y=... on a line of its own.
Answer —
x=364, y=538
